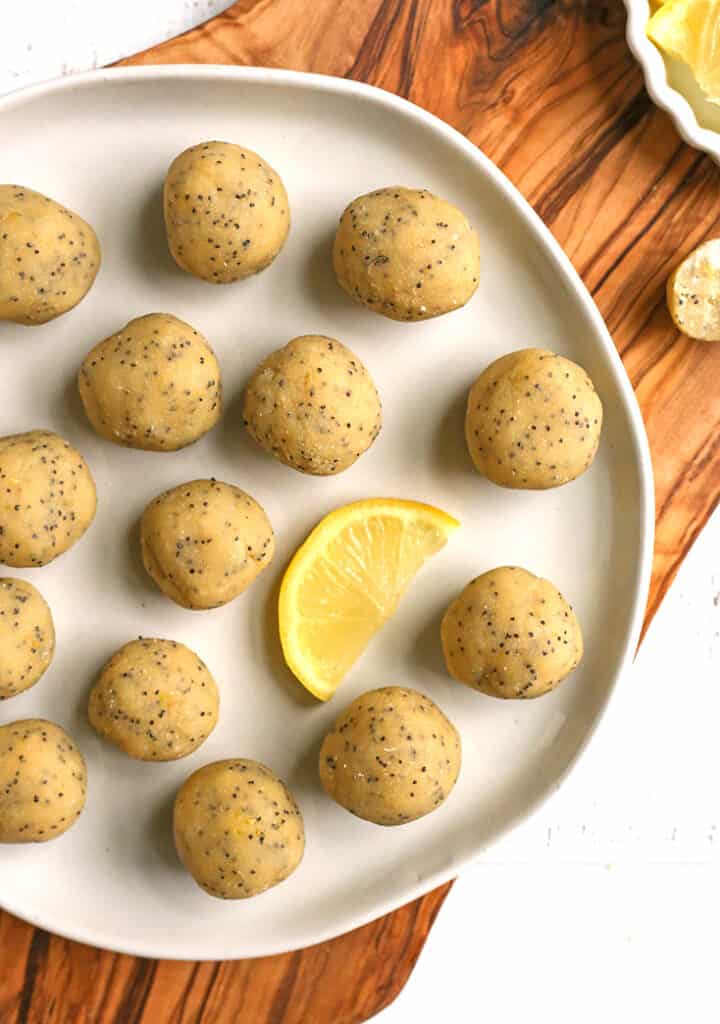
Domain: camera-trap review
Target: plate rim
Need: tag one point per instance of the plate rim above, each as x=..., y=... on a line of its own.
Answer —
x=562, y=265
x=661, y=92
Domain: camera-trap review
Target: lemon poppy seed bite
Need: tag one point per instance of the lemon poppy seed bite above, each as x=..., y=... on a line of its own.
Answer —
x=511, y=634
x=227, y=214
x=155, y=700
x=47, y=498
x=49, y=257
x=46, y=785
x=313, y=406
x=391, y=757
x=153, y=385
x=533, y=420
x=204, y=542
x=406, y=254
x=238, y=830
x=27, y=636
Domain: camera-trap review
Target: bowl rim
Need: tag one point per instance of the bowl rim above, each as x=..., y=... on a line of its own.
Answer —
x=564, y=268
x=661, y=92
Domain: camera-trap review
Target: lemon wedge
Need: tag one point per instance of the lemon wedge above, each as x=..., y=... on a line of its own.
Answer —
x=346, y=580
x=689, y=30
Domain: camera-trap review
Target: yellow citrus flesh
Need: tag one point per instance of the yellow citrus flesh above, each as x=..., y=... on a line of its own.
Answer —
x=346, y=580
x=689, y=30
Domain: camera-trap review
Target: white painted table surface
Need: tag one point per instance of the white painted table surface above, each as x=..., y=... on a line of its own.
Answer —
x=605, y=906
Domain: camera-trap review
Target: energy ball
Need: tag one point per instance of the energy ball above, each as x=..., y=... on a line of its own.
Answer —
x=226, y=212
x=27, y=636
x=391, y=757
x=533, y=420
x=155, y=699
x=511, y=634
x=49, y=257
x=313, y=405
x=42, y=781
x=238, y=830
x=47, y=498
x=693, y=293
x=154, y=385
x=406, y=253
x=204, y=542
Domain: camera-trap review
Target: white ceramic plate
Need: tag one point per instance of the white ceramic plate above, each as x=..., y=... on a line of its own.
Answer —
x=672, y=86
x=101, y=143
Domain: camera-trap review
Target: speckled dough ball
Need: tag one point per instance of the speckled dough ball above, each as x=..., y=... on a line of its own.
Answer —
x=406, y=253
x=27, y=636
x=49, y=257
x=154, y=385
x=155, y=699
x=238, y=830
x=391, y=757
x=47, y=498
x=692, y=292
x=511, y=634
x=204, y=542
x=226, y=212
x=533, y=420
x=42, y=781
x=313, y=405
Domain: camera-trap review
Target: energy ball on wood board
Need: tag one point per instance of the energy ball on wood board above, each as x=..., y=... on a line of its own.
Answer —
x=391, y=757
x=238, y=830
x=226, y=212
x=204, y=542
x=42, y=781
x=155, y=700
x=693, y=293
x=49, y=257
x=154, y=385
x=511, y=634
x=313, y=405
x=47, y=498
x=27, y=636
x=533, y=420
x=406, y=254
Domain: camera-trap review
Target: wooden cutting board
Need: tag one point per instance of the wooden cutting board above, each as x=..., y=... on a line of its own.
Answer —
x=550, y=91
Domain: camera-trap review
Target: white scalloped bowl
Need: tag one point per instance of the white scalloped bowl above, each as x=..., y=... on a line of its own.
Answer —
x=672, y=86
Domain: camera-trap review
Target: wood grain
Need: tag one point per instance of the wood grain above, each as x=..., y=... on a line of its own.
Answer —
x=550, y=91
x=48, y=980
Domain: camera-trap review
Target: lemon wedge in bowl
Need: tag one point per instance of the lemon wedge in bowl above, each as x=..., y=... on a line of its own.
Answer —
x=689, y=30
x=347, y=579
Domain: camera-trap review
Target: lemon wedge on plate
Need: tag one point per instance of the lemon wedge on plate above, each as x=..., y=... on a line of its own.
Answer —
x=689, y=30
x=346, y=580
